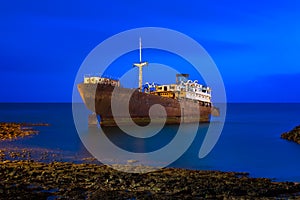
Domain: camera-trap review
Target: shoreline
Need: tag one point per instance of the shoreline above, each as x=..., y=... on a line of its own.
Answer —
x=44, y=176
x=30, y=179
x=41, y=174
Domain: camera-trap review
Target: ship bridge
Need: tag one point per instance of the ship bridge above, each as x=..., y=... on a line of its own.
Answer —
x=185, y=89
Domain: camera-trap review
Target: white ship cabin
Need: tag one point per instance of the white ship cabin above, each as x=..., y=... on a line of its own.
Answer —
x=97, y=79
x=185, y=89
x=189, y=90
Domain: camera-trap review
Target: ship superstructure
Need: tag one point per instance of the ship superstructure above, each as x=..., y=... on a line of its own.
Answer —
x=88, y=79
x=182, y=89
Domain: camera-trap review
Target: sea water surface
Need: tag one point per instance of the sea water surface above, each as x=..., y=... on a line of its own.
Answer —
x=250, y=141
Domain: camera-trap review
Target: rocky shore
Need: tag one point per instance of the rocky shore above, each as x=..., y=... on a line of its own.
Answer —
x=293, y=135
x=12, y=131
x=40, y=174
x=63, y=180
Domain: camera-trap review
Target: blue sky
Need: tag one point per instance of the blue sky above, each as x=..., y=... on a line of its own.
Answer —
x=255, y=44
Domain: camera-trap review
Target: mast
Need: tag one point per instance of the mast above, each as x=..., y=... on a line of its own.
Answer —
x=140, y=65
x=140, y=50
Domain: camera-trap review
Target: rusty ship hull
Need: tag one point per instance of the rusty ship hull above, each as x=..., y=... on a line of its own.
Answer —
x=98, y=98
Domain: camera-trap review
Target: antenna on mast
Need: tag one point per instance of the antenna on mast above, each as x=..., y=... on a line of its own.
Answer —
x=140, y=65
x=140, y=49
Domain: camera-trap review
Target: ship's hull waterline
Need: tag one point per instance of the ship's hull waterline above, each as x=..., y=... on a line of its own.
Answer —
x=98, y=99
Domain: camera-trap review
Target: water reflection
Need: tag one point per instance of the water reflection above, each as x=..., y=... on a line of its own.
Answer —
x=144, y=150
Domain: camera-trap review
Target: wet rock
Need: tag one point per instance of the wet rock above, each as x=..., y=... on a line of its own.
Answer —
x=23, y=178
x=12, y=131
x=293, y=135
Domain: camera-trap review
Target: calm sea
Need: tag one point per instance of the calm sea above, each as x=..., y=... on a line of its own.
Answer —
x=250, y=141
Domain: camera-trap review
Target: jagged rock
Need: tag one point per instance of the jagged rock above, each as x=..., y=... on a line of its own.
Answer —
x=65, y=180
x=12, y=131
x=293, y=135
